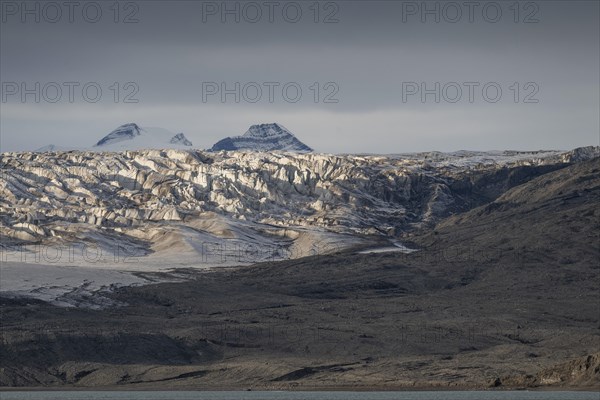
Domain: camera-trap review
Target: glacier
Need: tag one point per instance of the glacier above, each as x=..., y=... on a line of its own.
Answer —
x=259, y=198
x=111, y=217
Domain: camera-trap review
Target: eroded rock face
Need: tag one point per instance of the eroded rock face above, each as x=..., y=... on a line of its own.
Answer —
x=44, y=194
x=580, y=372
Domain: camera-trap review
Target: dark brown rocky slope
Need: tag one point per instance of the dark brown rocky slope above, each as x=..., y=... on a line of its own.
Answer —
x=504, y=295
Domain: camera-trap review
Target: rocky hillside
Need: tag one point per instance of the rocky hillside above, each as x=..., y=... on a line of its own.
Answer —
x=502, y=296
x=560, y=205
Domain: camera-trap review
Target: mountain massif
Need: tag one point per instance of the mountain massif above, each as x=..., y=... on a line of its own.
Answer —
x=263, y=137
x=284, y=202
x=500, y=292
x=130, y=136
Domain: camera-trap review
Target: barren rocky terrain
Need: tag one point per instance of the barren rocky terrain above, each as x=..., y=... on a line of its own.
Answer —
x=504, y=294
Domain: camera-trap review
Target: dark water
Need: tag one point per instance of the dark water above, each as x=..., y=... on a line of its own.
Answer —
x=134, y=395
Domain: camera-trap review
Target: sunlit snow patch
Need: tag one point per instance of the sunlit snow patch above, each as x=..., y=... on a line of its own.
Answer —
x=396, y=248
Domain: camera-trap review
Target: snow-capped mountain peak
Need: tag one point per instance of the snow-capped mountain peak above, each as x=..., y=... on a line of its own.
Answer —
x=263, y=137
x=267, y=130
x=123, y=132
x=180, y=139
x=133, y=137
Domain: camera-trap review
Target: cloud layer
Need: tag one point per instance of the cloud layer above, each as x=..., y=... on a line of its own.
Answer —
x=342, y=77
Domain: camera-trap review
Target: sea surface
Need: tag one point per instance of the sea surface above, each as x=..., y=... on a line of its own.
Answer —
x=182, y=395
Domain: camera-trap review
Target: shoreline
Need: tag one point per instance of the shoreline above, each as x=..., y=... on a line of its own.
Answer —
x=307, y=389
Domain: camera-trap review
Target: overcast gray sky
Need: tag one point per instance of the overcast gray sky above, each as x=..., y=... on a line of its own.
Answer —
x=369, y=60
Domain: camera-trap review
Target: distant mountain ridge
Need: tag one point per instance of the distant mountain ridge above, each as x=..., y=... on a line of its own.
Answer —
x=130, y=136
x=263, y=137
x=123, y=132
x=133, y=137
x=180, y=139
